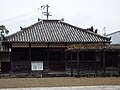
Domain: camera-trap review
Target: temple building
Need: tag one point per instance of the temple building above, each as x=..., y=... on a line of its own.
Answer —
x=56, y=47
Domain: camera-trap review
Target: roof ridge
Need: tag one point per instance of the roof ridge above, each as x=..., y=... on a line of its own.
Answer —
x=41, y=20
x=113, y=33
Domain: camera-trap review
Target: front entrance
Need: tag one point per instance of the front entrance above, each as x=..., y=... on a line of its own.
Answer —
x=56, y=60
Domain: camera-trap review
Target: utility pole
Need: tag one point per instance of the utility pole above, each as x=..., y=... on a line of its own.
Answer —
x=47, y=14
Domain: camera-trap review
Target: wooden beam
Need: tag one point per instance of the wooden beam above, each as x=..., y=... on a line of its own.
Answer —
x=39, y=45
x=20, y=45
x=57, y=45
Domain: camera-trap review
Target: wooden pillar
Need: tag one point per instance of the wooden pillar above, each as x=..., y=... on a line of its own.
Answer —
x=48, y=56
x=103, y=63
x=83, y=59
x=10, y=58
x=65, y=60
x=71, y=66
x=78, y=65
x=29, y=54
x=118, y=66
x=96, y=66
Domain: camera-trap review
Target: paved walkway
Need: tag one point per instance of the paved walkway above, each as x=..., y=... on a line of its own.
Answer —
x=69, y=88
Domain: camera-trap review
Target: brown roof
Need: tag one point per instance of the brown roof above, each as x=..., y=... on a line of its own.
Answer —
x=97, y=46
x=56, y=31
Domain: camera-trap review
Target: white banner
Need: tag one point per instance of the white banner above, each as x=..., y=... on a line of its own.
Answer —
x=37, y=66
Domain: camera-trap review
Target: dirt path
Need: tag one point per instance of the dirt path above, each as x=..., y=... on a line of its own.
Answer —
x=57, y=82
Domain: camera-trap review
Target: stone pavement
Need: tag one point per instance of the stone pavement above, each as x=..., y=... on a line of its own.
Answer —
x=114, y=87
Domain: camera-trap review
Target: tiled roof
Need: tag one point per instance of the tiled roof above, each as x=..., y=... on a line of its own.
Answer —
x=47, y=31
x=115, y=37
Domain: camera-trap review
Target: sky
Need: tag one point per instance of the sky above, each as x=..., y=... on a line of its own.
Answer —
x=80, y=13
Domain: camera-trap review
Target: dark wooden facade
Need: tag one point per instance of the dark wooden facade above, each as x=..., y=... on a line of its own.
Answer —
x=52, y=56
x=57, y=59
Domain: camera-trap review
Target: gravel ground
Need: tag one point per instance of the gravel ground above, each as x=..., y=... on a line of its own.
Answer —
x=69, y=88
x=57, y=82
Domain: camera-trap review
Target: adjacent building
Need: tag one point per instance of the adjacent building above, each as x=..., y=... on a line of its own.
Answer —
x=115, y=37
